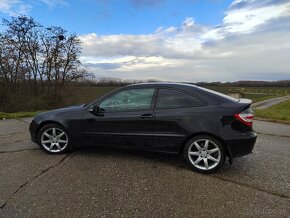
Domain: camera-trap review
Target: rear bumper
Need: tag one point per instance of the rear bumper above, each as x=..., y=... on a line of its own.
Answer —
x=241, y=145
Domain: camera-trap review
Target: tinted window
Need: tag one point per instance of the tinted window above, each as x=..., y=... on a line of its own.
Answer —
x=168, y=98
x=128, y=100
x=220, y=94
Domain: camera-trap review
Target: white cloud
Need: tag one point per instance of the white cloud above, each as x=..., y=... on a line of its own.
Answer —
x=55, y=3
x=158, y=44
x=246, y=19
x=20, y=7
x=252, y=42
x=14, y=7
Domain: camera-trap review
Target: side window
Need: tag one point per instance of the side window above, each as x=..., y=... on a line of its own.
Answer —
x=168, y=98
x=128, y=100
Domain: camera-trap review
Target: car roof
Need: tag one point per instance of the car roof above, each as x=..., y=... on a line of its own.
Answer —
x=164, y=84
x=207, y=94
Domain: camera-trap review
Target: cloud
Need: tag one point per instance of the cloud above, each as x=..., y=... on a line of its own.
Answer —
x=250, y=4
x=252, y=42
x=14, y=7
x=247, y=18
x=55, y=3
x=181, y=42
x=20, y=7
x=140, y=45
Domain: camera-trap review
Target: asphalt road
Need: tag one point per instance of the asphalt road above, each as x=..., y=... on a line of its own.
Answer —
x=270, y=102
x=93, y=182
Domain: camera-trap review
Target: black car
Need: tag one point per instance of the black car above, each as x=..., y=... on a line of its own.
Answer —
x=204, y=125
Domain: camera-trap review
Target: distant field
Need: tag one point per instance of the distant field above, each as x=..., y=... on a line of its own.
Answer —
x=255, y=94
x=256, y=90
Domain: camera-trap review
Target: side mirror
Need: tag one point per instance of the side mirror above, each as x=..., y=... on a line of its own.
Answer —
x=96, y=110
x=92, y=109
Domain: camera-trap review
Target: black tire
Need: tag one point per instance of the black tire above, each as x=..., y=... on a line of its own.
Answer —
x=66, y=147
x=198, y=158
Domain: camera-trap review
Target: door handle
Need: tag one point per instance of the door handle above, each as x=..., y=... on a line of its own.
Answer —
x=146, y=116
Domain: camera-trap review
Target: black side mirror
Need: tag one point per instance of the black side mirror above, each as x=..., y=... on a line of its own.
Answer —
x=96, y=110
x=92, y=109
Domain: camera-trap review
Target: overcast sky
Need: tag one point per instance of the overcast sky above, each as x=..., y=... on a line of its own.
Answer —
x=185, y=40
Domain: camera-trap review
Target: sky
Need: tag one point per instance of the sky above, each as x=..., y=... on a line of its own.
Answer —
x=184, y=40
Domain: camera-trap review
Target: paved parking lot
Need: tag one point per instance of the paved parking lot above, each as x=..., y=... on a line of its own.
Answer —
x=110, y=182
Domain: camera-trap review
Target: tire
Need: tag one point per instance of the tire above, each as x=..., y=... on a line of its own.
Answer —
x=202, y=158
x=54, y=139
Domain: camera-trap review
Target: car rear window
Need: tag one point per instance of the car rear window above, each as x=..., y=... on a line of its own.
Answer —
x=220, y=94
x=168, y=98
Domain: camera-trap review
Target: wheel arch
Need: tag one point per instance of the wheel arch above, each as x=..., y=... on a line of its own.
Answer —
x=47, y=122
x=228, y=152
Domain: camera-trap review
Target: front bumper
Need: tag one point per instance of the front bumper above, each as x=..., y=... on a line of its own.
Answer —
x=33, y=131
x=241, y=145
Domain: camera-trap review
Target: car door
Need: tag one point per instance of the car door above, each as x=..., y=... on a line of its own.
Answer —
x=176, y=112
x=124, y=118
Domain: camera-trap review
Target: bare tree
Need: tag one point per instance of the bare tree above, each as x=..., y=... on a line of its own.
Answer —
x=33, y=53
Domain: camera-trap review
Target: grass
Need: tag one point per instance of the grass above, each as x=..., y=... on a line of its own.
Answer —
x=17, y=115
x=279, y=112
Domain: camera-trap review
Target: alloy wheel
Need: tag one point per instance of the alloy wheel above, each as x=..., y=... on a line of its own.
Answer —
x=54, y=140
x=204, y=154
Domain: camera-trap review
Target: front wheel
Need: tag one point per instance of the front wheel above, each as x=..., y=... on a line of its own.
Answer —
x=53, y=139
x=204, y=154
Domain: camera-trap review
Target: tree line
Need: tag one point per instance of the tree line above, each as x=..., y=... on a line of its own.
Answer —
x=41, y=58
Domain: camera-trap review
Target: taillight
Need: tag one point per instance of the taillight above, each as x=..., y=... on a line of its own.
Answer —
x=246, y=117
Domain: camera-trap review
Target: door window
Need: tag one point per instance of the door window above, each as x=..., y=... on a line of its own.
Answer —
x=168, y=98
x=128, y=100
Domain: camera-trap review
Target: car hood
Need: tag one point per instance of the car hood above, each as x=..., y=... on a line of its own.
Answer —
x=70, y=108
x=60, y=111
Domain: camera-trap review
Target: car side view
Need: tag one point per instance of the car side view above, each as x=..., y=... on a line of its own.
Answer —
x=204, y=125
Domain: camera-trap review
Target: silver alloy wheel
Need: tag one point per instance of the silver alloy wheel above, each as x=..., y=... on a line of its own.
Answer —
x=54, y=140
x=204, y=154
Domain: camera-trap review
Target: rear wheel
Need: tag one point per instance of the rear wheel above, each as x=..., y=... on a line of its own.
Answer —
x=53, y=139
x=204, y=154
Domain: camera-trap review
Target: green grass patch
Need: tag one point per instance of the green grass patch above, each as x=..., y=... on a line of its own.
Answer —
x=279, y=112
x=18, y=115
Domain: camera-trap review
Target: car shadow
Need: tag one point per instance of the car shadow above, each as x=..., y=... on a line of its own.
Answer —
x=175, y=160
